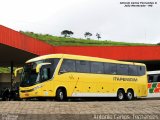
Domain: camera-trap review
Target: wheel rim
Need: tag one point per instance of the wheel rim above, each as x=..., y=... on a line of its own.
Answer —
x=120, y=96
x=129, y=95
x=61, y=95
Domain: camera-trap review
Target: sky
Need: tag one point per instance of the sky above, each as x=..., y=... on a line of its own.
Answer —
x=109, y=18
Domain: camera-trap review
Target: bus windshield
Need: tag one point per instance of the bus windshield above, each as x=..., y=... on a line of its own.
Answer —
x=29, y=76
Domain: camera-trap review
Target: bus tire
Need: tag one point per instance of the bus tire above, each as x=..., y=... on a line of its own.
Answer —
x=120, y=95
x=130, y=95
x=60, y=94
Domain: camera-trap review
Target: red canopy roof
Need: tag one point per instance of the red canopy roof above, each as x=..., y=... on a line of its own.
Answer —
x=11, y=40
x=20, y=41
x=137, y=53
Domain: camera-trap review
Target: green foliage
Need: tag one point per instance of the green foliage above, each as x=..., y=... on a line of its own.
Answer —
x=98, y=36
x=67, y=33
x=4, y=70
x=87, y=35
x=61, y=41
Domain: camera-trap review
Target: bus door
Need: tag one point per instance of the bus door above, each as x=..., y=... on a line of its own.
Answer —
x=45, y=78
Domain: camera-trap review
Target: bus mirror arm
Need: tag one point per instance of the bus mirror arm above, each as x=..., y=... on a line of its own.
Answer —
x=16, y=71
x=38, y=67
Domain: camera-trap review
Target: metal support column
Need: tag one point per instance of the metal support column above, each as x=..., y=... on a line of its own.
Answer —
x=11, y=74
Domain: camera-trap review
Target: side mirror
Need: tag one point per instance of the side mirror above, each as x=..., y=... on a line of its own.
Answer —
x=38, y=67
x=16, y=71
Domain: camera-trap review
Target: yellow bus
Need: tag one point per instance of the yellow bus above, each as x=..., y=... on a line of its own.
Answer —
x=63, y=75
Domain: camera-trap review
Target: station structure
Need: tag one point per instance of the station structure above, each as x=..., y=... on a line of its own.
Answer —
x=16, y=48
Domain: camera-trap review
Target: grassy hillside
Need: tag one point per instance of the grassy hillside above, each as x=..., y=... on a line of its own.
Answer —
x=4, y=70
x=58, y=41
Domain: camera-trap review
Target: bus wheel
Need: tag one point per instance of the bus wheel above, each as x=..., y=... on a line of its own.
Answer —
x=120, y=95
x=60, y=95
x=130, y=95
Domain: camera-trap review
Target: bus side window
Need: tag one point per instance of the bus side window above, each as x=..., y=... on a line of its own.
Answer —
x=122, y=69
x=106, y=68
x=132, y=70
x=97, y=67
x=53, y=66
x=150, y=78
x=141, y=70
x=68, y=66
x=82, y=66
x=110, y=68
x=113, y=68
x=45, y=74
x=158, y=78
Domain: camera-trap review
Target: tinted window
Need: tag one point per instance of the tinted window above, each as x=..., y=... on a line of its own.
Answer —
x=107, y=68
x=158, y=78
x=113, y=68
x=154, y=78
x=122, y=69
x=45, y=73
x=97, y=67
x=54, y=63
x=141, y=70
x=132, y=70
x=68, y=66
x=83, y=66
x=110, y=68
x=150, y=78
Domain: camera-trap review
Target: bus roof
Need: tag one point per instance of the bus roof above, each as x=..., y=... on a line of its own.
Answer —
x=153, y=72
x=79, y=57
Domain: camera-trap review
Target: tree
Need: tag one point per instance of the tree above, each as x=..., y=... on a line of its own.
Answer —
x=87, y=35
x=98, y=36
x=67, y=33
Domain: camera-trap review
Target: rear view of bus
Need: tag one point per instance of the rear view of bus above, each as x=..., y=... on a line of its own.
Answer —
x=154, y=84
